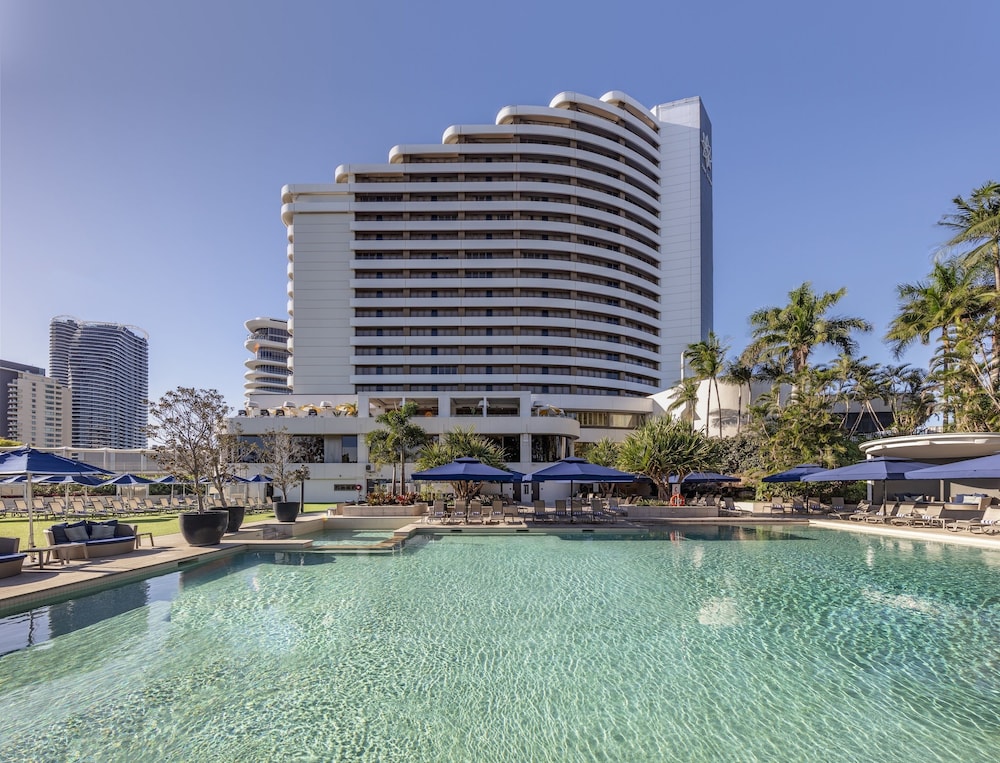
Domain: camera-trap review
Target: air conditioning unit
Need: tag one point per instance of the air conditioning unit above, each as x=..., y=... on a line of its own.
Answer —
x=369, y=468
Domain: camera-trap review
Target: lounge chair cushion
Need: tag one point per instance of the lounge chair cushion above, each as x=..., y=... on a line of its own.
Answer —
x=76, y=533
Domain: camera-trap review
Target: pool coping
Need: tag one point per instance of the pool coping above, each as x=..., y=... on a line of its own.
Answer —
x=34, y=586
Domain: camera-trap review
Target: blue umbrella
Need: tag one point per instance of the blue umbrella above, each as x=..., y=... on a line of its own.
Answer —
x=985, y=467
x=67, y=480
x=32, y=463
x=795, y=474
x=129, y=479
x=882, y=468
x=466, y=469
x=698, y=477
x=574, y=469
x=878, y=469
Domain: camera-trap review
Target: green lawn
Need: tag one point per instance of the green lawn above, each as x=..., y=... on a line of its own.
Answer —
x=158, y=524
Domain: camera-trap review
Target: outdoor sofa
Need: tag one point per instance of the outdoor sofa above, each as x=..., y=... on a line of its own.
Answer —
x=106, y=538
x=10, y=559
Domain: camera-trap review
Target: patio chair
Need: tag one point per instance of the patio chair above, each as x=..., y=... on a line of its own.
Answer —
x=496, y=511
x=539, y=513
x=905, y=513
x=511, y=515
x=777, y=505
x=884, y=514
x=986, y=522
x=475, y=511
x=929, y=516
x=437, y=512
x=459, y=512
x=863, y=509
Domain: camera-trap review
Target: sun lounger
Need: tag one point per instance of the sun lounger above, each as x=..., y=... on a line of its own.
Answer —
x=475, y=511
x=987, y=522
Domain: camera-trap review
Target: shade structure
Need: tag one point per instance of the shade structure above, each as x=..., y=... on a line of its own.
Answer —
x=575, y=469
x=32, y=463
x=129, y=479
x=877, y=469
x=67, y=480
x=984, y=467
x=260, y=478
x=795, y=474
x=704, y=477
x=466, y=469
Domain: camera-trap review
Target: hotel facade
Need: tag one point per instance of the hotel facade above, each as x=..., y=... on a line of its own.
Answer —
x=106, y=367
x=536, y=279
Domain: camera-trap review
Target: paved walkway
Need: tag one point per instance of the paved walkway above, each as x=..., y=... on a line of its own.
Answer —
x=37, y=586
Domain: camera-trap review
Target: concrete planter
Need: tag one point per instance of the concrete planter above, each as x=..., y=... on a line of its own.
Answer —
x=672, y=512
x=413, y=510
x=204, y=529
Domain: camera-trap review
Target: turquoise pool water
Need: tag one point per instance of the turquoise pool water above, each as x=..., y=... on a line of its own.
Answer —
x=729, y=644
x=351, y=538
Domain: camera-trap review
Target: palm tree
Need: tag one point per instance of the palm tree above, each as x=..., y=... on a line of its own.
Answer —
x=380, y=453
x=662, y=447
x=604, y=452
x=687, y=399
x=402, y=436
x=742, y=376
x=976, y=225
x=788, y=335
x=707, y=359
x=942, y=305
x=460, y=443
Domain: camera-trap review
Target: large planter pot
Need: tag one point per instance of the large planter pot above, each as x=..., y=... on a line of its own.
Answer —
x=286, y=511
x=205, y=529
x=236, y=514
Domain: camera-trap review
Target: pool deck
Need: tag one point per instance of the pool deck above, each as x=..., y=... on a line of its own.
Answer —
x=36, y=586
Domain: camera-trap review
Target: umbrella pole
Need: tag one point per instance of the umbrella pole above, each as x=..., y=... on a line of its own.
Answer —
x=31, y=518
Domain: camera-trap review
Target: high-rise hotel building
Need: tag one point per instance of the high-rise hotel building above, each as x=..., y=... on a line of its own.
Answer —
x=267, y=370
x=106, y=367
x=541, y=275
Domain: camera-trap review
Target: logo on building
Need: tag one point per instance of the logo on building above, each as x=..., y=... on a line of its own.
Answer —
x=706, y=155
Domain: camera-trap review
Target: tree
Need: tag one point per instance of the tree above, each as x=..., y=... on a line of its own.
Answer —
x=402, y=436
x=380, y=452
x=788, y=335
x=976, y=224
x=604, y=452
x=742, y=376
x=707, y=359
x=944, y=305
x=279, y=452
x=662, y=447
x=461, y=443
x=190, y=425
x=686, y=399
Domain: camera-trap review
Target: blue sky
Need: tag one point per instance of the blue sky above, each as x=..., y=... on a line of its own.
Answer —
x=143, y=145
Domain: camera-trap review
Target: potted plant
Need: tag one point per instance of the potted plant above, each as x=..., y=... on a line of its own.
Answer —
x=280, y=451
x=235, y=451
x=188, y=427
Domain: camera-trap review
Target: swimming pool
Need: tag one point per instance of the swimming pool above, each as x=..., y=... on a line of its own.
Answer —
x=714, y=644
